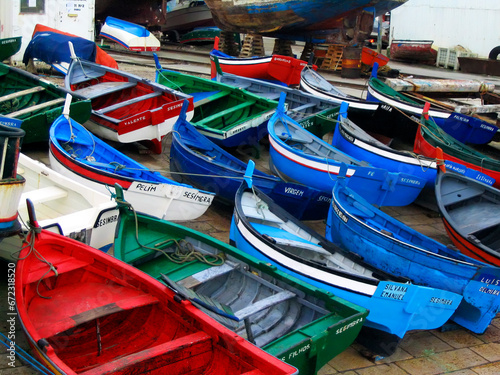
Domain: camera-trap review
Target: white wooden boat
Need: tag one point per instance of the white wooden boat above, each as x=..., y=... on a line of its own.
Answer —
x=66, y=206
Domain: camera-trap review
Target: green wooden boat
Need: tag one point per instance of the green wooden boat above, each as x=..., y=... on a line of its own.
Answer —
x=300, y=324
x=9, y=47
x=227, y=115
x=36, y=102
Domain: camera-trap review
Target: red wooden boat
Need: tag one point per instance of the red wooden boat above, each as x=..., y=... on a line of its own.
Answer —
x=125, y=108
x=470, y=213
x=85, y=312
x=429, y=138
x=413, y=50
x=279, y=68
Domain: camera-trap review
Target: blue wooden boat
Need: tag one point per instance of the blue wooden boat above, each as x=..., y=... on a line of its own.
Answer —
x=11, y=183
x=299, y=156
x=132, y=36
x=78, y=154
x=261, y=228
x=352, y=139
x=399, y=250
x=227, y=115
x=201, y=163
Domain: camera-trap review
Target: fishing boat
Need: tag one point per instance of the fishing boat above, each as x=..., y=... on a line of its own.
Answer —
x=9, y=47
x=196, y=160
x=324, y=21
x=84, y=311
x=429, y=137
x=315, y=84
x=470, y=213
x=299, y=156
x=277, y=68
x=378, y=90
x=125, y=108
x=81, y=156
x=130, y=35
x=301, y=106
x=200, y=35
x=413, y=50
x=399, y=250
x=67, y=207
x=466, y=129
x=11, y=183
x=187, y=15
x=35, y=102
x=391, y=147
x=299, y=324
x=227, y=115
x=263, y=229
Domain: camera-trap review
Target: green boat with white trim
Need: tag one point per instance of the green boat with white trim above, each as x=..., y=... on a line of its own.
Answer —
x=300, y=324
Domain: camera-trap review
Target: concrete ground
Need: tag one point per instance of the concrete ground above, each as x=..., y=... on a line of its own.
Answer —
x=453, y=350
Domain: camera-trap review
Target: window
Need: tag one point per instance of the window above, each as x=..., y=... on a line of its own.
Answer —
x=32, y=6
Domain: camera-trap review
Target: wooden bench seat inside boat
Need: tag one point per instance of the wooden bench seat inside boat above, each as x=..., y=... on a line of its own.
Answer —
x=88, y=301
x=24, y=111
x=44, y=195
x=460, y=195
x=484, y=216
x=207, y=97
x=172, y=357
x=128, y=102
x=21, y=93
x=104, y=88
x=208, y=119
x=304, y=106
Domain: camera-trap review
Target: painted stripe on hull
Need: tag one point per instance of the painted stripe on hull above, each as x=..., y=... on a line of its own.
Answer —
x=295, y=158
x=304, y=269
x=405, y=107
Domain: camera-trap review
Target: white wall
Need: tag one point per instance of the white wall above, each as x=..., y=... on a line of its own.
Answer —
x=72, y=16
x=472, y=24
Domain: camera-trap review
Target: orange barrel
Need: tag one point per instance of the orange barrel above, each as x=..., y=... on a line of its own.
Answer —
x=351, y=62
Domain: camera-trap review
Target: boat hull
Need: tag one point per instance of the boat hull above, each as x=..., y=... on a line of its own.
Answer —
x=325, y=21
x=278, y=68
x=126, y=108
x=41, y=103
x=426, y=144
x=228, y=116
x=9, y=47
x=354, y=141
x=412, y=307
x=66, y=207
x=469, y=210
x=321, y=174
x=391, y=246
x=131, y=36
x=146, y=190
x=207, y=166
x=94, y=294
x=326, y=334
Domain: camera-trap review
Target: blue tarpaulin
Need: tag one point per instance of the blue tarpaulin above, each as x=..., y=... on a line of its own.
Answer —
x=53, y=48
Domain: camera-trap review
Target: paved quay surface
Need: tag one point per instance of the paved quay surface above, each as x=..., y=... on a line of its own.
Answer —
x=452, y=351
